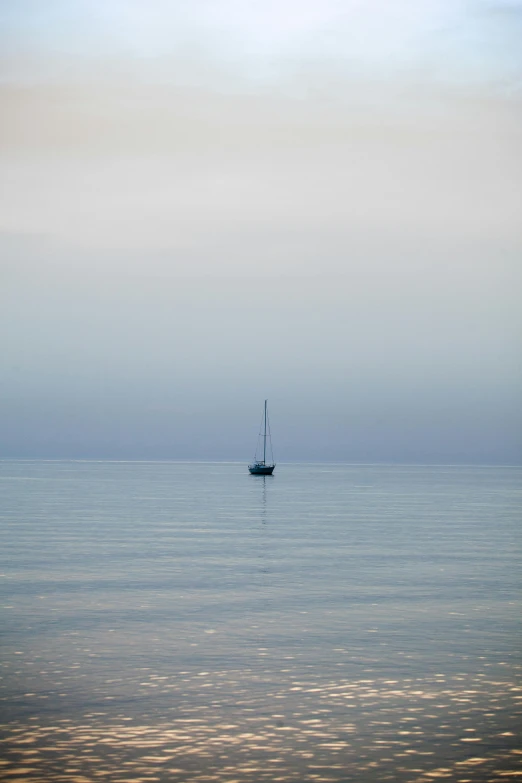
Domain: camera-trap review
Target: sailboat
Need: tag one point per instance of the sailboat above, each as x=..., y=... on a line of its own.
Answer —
x=260, y=467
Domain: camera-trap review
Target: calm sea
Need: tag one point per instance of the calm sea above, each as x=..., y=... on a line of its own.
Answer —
x=190, y=622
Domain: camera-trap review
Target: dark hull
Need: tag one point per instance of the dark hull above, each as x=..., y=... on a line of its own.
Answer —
x=262, y=470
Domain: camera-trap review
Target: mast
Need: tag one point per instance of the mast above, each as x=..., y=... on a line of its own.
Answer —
x=264, y=440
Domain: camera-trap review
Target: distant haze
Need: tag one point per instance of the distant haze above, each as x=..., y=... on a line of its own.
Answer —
x=206, y=205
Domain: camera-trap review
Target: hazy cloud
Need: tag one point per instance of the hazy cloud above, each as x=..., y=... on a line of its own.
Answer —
x=206, y=204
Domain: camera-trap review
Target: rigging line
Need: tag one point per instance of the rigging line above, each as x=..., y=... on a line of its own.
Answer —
x=259, y=437
x=270, y=437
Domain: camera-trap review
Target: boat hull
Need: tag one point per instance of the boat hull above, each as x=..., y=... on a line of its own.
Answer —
x=261, y=470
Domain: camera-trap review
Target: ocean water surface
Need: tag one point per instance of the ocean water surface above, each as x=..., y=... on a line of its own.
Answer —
x=167, y=621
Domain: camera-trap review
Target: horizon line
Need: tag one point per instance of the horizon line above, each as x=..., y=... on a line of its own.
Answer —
x=283, y=462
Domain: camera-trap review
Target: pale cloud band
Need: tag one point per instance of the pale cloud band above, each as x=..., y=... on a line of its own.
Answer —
x=465, y=41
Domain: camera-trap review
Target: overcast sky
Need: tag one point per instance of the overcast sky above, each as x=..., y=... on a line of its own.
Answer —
x=205, y=204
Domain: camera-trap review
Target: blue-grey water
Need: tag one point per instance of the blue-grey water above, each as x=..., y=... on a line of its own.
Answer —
x=190, y=622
